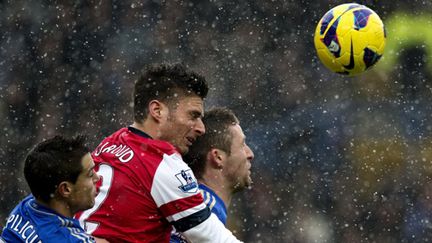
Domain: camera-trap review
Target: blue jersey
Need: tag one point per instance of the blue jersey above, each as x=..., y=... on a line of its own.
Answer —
x=216, y=205
x=32, y=222
x=214, y=202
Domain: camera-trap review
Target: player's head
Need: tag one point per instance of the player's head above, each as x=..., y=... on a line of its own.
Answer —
x=171, y=96
x=62, y=169
x=224, y=148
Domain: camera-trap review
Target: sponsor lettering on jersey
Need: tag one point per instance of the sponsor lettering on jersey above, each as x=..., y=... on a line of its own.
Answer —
x=121, y=151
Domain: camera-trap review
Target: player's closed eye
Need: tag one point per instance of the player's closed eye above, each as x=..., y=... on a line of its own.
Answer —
x=196, y=115
x=92, y=173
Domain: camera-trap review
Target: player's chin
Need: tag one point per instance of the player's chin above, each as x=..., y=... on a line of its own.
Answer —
x=249, y=183
x=183, y=149
x=91, y=202
x=245, y=184
x=86, y=205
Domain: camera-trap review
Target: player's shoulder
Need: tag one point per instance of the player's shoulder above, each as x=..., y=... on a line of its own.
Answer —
x=22, y=206
x=129, y=141
x=214, y=202
x=65, y=234
x=64, y=230
x=73, y=234
x=42, y=225
x=209, y=199
x=29, y=210
x=121, y=146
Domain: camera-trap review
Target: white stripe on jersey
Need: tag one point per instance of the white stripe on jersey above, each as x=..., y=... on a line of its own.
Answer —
x=80, y=235
x=209, y=199
x=213, y=203
x=206, y=197
x=186, y=213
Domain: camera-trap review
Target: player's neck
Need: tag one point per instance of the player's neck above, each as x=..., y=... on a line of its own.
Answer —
x=59, y=206
x=147, y=127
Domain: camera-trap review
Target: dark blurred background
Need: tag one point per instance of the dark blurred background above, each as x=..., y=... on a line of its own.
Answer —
x=337, y=159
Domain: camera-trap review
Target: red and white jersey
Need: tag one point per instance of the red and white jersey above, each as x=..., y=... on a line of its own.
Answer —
x=145, y=188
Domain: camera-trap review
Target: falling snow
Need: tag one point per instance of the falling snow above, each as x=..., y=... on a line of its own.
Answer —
x=337, y=159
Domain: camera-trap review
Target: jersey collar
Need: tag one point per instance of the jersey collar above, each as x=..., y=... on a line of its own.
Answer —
x=138, y=132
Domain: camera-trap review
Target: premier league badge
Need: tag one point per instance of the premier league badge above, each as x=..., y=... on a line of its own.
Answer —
x=187, y=180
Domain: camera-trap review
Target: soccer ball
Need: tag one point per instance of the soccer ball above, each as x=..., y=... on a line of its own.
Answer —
x=350, y=38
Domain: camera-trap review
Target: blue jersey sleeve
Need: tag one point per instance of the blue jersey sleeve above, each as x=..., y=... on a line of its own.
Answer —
x=214, y=202
x=31, y=222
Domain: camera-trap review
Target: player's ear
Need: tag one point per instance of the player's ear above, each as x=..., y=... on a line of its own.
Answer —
x=64, y=189
x=156, y=109
x=216, y=158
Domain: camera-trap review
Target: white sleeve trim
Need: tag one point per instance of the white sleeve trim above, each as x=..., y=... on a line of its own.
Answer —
x=186, y=213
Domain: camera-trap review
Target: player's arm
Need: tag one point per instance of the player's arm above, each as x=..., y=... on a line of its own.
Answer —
x=210, y=230
x=203, y=226
x=175, y=191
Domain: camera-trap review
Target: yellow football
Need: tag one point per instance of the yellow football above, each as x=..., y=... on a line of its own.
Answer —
x=350, y=38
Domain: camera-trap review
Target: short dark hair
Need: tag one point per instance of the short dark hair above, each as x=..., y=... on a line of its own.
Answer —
x=166, y=83
x=217, y=122
x=53, y=161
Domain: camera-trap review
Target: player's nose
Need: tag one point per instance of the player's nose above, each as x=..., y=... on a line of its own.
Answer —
x=250, y=154
x=96, y=178
x=199, y=127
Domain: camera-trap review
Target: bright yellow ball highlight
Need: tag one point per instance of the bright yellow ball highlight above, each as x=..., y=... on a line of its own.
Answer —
x=350, y=38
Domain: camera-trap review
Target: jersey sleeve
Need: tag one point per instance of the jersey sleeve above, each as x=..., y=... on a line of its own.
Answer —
x=210, y=230
x=175, y=192
x=209, y=199
x=215, y=204
x=69, y=234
